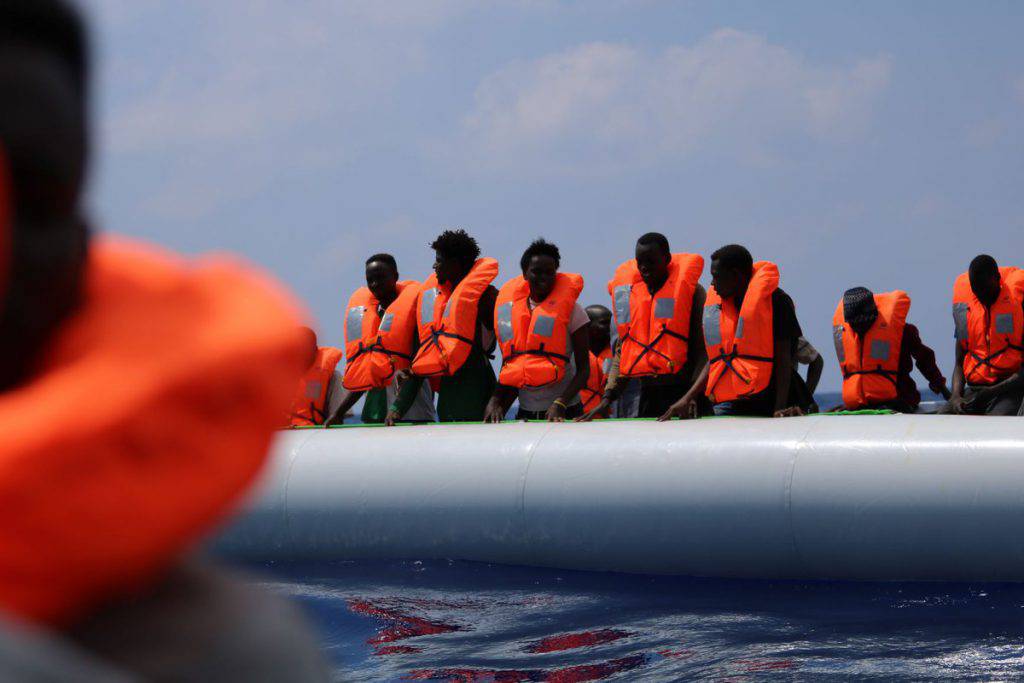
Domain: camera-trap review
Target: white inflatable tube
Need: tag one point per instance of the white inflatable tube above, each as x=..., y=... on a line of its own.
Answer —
x=825, y=497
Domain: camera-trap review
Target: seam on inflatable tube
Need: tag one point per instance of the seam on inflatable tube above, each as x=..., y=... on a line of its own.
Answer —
x=801, y=445
x=293, y=456
x=525, y=479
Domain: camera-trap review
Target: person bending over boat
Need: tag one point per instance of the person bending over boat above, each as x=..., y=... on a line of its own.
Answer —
x=750, y=331
x=988, y=315
x=877, y=349
x=599, y=341
x=544, y=340
x=380, y=340
x=455, y=333
x=138, y=395
x=319, y=393
x=657, y=302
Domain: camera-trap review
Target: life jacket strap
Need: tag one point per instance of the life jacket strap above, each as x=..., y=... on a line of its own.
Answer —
x=649, y=348
x=728, y=358
x=888, y=374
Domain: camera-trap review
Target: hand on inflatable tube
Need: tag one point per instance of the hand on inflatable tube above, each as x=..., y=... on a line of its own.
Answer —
x=791, y=411
x=494, y=414
x=600, y=409
x=685, y=409
x=392, y=418
x=556, y=413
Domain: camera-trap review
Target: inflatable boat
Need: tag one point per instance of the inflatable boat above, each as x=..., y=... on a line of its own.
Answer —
x=859, y=497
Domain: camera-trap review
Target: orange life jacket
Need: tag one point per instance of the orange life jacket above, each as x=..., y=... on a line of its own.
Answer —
x=600, y=366
x=654, y=329
x=448, y=320
x=309, y=407
x=739, y=341
x=535, y=345
x=151, y=414
x=992, y=337
x=376, y=347
x=870, y=364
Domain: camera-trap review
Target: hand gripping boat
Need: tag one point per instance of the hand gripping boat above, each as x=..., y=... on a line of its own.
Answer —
x=864, y=497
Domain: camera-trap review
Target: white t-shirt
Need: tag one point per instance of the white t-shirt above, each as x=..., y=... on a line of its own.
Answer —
x=422, y=408
x=541, y=398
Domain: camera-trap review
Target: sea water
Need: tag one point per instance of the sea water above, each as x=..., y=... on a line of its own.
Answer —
x=462, y=621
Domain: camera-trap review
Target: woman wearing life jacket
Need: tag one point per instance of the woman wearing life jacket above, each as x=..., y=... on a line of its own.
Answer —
x=455, y=332
x=380, y=341
x=542, y=332
x=657, y=301
x=877, y=348
x=750, y=331
x=139, y=392
x=319, y=392
x=599, y=340
x=988, y=314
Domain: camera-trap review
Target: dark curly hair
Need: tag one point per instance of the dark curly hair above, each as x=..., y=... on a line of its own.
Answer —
x=457, y=244
x=540, y=247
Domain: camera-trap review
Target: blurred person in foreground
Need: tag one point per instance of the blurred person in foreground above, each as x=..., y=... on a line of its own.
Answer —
x=138, y=396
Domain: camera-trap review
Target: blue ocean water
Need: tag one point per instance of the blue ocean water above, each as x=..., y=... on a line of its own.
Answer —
x=460, y=621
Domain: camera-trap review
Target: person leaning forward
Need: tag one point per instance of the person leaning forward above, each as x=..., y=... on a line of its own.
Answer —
x=455, y=333
x=656, y=304
x=988, y=315
x=751, y=332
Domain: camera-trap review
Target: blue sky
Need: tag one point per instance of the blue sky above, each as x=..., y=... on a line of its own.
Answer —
x=869, y=143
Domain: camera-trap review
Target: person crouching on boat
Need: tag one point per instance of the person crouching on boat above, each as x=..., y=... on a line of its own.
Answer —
x=319, y=393
x=380, y=340
x=988, y=314
x=750, y=332
x=455, y=332
x=877, y=349
x=139, y=392
x=657, y=302
x=599, y=338
x=543, y=334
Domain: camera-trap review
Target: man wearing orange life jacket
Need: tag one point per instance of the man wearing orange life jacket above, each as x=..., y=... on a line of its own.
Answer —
x=542, y=331
x=139, y=392
x=599, y=339
x=877, y=349
x=657, y=302
x=380, y=340
x=751, y=332
x=319, y=392
x=455, y=332
x=988, y=314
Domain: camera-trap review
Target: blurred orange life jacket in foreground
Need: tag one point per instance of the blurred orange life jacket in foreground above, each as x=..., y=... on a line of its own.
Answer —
x=871, y=364
x=535, y=345
x=150, y=415
x=654, y=329
x=992, y=337
x=376, y=347
x=448, y=319
x=741, y=350
x=600, y=366
x=309, y=407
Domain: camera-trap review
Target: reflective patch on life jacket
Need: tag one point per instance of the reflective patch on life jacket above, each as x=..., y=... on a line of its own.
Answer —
x=448, y=307
x=960, y=321
x=545, y=326
x=879, y=349
x=837, y=339
x=713, y=325
x=427, y=306
x=1004, y=323
x=739, y=328
x=664, y=307
x=622, y=294
x=313, y=388
x=606, y=367
x=386, y=322
x=354, y=323
x=505, y=332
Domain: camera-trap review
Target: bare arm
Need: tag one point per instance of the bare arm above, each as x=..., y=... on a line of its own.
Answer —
x=782, y=372
x=338, y=416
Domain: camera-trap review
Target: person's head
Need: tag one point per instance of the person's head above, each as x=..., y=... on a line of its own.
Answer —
x=600, y=329
x=382, y=277
x=732, y=266
x=455, y=252
x=653, y=257
x=859, y=309
x=539, y=264
x=311, y=343
x=43, y=150
x=985, y=280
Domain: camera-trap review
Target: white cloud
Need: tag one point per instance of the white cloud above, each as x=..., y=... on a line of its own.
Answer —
x=603, y=105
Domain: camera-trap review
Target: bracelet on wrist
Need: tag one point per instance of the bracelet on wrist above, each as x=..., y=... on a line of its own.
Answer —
x=558, y=402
